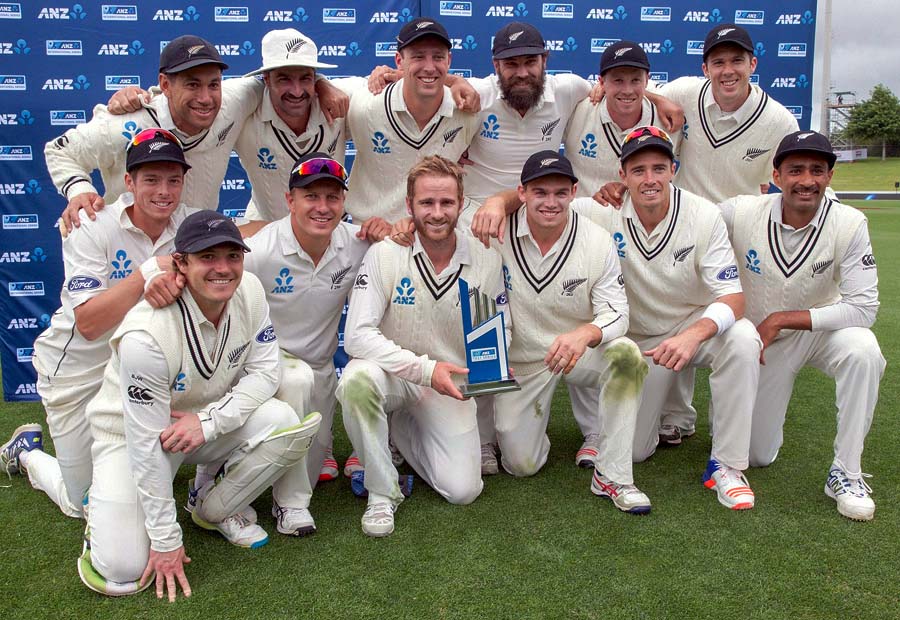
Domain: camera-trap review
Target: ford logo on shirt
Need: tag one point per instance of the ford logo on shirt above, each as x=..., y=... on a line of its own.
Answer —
x=83, y=283
x=266, y=335
x=729, y=273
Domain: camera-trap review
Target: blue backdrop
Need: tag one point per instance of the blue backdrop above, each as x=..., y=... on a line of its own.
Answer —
x=57, y=60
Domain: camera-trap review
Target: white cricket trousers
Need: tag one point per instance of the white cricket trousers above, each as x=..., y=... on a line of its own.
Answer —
x=436, y=434
x=851, y=357
x=120, y=546
x=734, y=360
x=66, y=477
x=306, y=389
x=616, y=369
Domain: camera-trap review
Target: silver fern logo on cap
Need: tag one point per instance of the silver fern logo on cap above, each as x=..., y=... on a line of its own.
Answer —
x=194, y=49
x=723, y=32
x=548, y=161
x=622, y=51
x=516, y=35
x=155, y=146
x=421, y=25
x=295, y=45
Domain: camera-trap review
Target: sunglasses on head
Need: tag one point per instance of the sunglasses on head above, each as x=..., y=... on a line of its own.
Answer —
x=640, y=132
x=152, y=134
x=319, y=165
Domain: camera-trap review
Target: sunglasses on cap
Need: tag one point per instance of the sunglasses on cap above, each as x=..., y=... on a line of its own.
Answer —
x=151, y=134
x=320, y=165
x=656, y=132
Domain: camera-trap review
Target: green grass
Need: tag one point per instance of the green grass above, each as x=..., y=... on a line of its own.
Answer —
x=869, y=174
x=542, y=547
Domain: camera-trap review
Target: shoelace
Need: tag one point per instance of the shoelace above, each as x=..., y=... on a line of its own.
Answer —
x=382, y=511
x=856, y=486
x=487, y=449
x=730, y=474
x=592, y=439
x=238, y=519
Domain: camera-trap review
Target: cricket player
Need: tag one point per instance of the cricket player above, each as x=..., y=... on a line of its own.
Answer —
x=404, y=332
x=409, y=120
x=595, y=132
x=812, y=292
x=192, y=382
x=570, y=315
x=111, y=263
x=308, y=260
x=686, y=305
x=206, y=117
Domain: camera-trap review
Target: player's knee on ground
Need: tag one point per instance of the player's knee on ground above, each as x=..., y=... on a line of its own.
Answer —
x=643, y=448
x=118, y=562
x=358, y=393
x=762, y=456
x=460, y=489
x=519, y=461
x=297, y=383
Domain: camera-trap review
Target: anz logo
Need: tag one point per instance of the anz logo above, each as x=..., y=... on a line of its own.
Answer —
x=553, y=10
x=491, y=128
x=556, y=45
x=381, y=144
x=405, y=292
x=234, y=184
x=189, y=14
x=618, y=13
x=266, y=159
x=619, y=240
x=121, y=265
x=499, y=10
x=283, y=282
x=52, y=12
x=391, y=17
x=588, y=146
x=706, y=17
x=801, y=81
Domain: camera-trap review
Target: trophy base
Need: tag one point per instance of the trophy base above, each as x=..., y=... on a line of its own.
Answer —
x=490, y=387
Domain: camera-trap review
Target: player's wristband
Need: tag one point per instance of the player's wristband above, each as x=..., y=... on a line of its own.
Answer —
x=720, y=314
x=150, y=269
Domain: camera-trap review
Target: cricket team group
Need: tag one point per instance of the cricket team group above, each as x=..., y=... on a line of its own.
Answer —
x=651, y=248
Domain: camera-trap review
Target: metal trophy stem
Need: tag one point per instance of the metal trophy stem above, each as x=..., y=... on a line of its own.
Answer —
x=485, y=340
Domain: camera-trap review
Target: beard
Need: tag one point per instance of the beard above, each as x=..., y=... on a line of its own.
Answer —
x=522, y=93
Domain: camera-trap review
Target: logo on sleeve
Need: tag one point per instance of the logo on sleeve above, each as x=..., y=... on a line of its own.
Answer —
x=621, y=279
x=82, y=283
x=868, y=262
x=752, y=261
x=728, y=273
x=362, y=281
x=679, y=256
x=502, y=299
x=569, y=286
x=139, y=395
x=405, y=292
x=266, y=335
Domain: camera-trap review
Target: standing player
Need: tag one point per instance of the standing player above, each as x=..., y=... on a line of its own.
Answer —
x=191, y=382
x=686, y=304
x=308, y=260
x=111, y=263
x=595, y=133
x=812, y=291
x=409, y=120
x=570, y=313
x=404, y=333
x=194, y=106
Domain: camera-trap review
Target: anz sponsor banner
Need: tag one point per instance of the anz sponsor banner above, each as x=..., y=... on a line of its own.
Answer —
x=59, y=58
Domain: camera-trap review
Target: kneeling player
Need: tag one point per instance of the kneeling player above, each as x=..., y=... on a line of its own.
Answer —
x=570, y=313
x=812, y=291
x=404, y=331
x=191, y=382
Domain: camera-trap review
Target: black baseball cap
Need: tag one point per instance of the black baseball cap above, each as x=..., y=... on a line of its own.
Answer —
x=315, y=166
x=517, y=39
x=805, y=142
x=727, y=33
x=187, y=52
x=205, y=229
x=545, y=163
x=648, y=137
x=422, y=27
x=153, y=145
x=624, y=54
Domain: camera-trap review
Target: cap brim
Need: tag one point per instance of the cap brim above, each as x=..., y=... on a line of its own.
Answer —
x=830, y=156
x=190, y=64
x=280, y=65
x=740, y=44
x=209, y=242
x=532, y=50
x=665, y=148
x=421, y=35
x=312, y=178
x=626, y=63
x=547, y=174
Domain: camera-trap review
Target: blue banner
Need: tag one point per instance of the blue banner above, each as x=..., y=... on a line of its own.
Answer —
x=59, y=59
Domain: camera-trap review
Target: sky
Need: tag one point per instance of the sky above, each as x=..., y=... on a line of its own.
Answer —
x=865, y=46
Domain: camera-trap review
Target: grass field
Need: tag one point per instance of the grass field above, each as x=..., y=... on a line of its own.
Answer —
x=869, y=174
x=542, y=547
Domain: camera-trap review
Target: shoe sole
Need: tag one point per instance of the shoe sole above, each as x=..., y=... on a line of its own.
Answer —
x=852, y=517
x=711, y=484
x=212, y=527
x=377, y=534
x=585, y=463
x=300, y=532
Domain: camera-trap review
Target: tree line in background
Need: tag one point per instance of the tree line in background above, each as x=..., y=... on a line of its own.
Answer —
x=876, y=122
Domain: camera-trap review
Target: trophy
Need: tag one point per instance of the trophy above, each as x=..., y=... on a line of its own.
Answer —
x=485, y=344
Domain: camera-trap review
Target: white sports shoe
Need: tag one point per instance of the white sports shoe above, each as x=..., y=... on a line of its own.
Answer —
x=626, y=497
x=293, y=521
x=730, y=484
x=489, y=465
x=378, y=520
x=589, y=450
x=236, y=529
x=851, y=495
